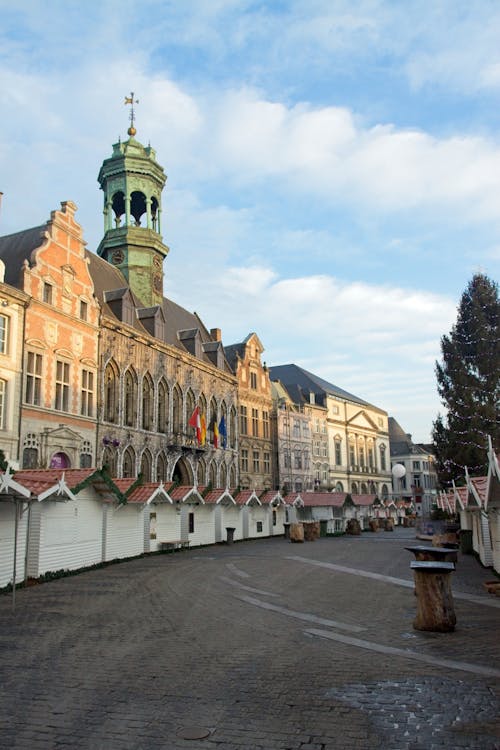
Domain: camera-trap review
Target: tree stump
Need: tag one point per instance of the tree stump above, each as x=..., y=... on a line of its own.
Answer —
x=296, y=532
x=311, y=531
x=353, y=527
x=435, y=608
x=389, y=524
x=373, y=525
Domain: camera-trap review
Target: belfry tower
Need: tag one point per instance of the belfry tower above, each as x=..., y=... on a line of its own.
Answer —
x=132, y=181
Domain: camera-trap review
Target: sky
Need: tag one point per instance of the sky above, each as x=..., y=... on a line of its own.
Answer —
x=333, y=167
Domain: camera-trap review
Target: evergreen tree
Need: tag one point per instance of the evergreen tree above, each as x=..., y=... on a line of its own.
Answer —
x=468, y=381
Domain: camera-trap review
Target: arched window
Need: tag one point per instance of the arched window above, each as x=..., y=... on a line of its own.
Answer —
x=373, y=489
x=298, y=485
x=232, y=428
x=223, y=426
x=137, y=206
x=232, y=477
x=146, y=464
x=339, y=487
x=147, y=402
x=364, y=489
x=129, y=463
x=109, y=459
x=118, y=204
x=202, y=472
x=162, y=416
x=385, y=492
x=190, y=407
x=213, y=474
x=383, y=463
x=212, y=421
x=161, y=468
x=176, y=409
x=223, y=475
x=111, y=383
x=354, y=488
x=130, y=410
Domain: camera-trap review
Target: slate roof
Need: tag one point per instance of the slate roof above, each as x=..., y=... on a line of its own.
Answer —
x=401, y=443
x=16, y=248
x=233, y=351
x=293, y=375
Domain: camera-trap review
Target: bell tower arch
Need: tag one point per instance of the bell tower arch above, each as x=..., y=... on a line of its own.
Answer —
x=132, y=182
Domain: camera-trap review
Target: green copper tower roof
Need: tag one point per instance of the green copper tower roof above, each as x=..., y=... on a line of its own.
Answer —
x=132, y=182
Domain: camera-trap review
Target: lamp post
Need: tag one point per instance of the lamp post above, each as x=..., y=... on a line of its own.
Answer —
x=398, y=472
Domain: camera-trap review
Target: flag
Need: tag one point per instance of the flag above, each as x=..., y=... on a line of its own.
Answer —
x=196, y=423
x=222, y=431
x=216, y=433
x=203, y=430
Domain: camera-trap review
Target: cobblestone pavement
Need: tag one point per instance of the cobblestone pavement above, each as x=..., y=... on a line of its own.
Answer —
x=256, y=645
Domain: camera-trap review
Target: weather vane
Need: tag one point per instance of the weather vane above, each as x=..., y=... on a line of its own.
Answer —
x=130, y=100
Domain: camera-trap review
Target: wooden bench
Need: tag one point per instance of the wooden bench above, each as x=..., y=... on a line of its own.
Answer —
x=174, y=544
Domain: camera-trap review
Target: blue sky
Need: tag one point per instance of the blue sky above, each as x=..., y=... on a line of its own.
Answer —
x=333, y=167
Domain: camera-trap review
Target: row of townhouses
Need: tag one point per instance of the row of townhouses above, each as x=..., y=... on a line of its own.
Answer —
x=98, y=368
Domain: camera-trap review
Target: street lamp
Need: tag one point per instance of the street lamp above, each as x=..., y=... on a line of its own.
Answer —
x=398, y=472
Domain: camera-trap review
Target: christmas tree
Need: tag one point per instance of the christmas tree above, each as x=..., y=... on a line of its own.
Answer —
x=468, y=381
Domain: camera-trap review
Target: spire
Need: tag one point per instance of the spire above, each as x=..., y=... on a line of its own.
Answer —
x=131, y=101
x=132, y=182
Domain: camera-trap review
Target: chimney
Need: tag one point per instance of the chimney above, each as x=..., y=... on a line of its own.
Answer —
x=216, y=334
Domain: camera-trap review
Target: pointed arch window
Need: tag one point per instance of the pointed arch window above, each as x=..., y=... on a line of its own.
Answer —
x=212, y=420
x=111, y=381
x=213, y=474
x=177, y=409
x=161, y=468
x=146, y=464
x=232, y=428
x=130, y=410
x=232, y=477
x=162, y=416
x=223, y=475
x=129, y=463
x=190, y=407
x=202, y=472
x=147, y=402
x=109, y=459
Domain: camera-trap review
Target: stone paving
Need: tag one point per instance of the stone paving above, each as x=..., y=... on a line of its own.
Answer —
x=257, y=645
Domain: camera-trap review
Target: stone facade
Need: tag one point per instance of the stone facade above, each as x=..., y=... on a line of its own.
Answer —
x=357, y=433
x=13, y=304
x=58, y=410
x=255, y=406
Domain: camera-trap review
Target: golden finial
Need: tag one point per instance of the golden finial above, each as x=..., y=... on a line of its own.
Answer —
x=130, y=100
